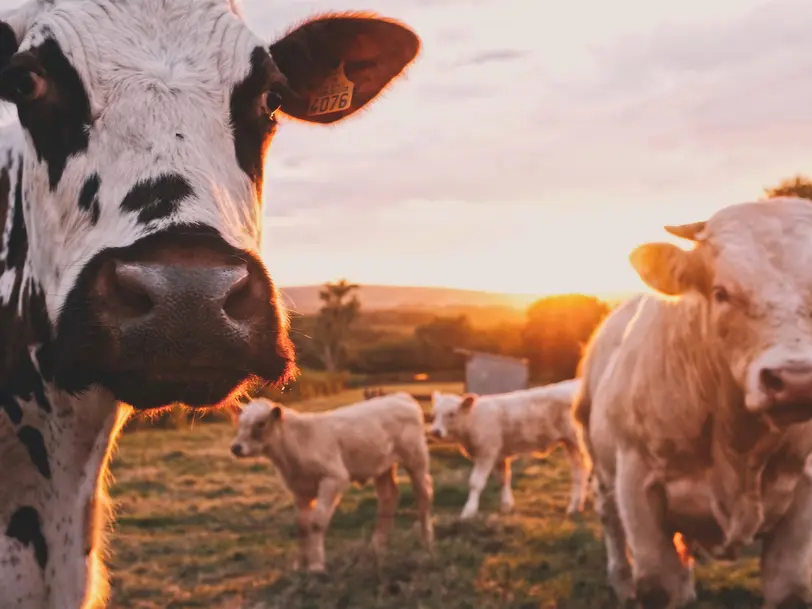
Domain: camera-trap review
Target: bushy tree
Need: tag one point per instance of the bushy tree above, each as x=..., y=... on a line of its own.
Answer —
x=438, y=339
x=557, y=328
x=796, y=186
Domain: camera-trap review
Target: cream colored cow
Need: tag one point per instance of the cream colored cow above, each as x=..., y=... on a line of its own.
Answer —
x=493, y=429
x=320, y=454
x=696, y=406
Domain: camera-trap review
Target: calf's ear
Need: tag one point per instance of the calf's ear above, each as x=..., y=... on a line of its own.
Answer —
x=335, y=64
x=468, y=400
x=667, y=268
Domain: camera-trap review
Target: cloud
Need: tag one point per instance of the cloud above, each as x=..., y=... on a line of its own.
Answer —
x=490, y=115
x=495, y=55
x=587, y=112
x=657, y=118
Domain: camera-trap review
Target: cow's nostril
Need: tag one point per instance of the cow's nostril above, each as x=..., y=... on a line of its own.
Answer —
x=243, y=299
x=237, y=450
x=129, y=292
x=771, y=380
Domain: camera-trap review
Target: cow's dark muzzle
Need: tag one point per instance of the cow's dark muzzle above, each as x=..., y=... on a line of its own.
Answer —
x=174, y=318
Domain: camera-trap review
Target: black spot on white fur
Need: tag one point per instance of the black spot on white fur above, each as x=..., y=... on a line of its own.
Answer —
x=89, y=198
x=252, y=129
x=24, y=526
x=157, y=198
x=35, y=444
x=18, y=238
x=19, y=378
x=59, y=124
x=12, y=408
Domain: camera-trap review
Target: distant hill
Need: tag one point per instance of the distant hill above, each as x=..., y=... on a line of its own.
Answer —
x=305, y=299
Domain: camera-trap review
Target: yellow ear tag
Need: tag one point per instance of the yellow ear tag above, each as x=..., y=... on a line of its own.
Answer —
x=335, y=94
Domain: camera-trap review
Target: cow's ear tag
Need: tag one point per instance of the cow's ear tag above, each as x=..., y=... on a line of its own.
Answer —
x=334, y=95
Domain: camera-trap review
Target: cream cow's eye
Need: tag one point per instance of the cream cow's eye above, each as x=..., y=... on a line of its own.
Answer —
x=720, y=295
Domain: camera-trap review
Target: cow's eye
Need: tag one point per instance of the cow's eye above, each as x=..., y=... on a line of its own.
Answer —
x=720, y=294
x=271, y=102
x=20, y=84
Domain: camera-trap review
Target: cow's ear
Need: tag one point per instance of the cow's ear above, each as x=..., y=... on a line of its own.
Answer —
x=336, y=64
x=668, y=268
x=276, y=413
x=468, y=400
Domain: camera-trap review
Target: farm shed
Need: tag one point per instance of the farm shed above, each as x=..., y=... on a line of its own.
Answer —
x=488, y=373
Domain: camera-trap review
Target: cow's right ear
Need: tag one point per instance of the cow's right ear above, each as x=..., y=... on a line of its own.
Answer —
x=667, y=268
x=338, y=63
x=276, y=413
x=468, y=400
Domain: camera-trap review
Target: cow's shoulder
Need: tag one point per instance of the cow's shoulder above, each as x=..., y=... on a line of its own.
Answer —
x=664, y=381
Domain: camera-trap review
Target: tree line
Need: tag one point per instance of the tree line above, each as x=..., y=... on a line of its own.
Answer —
x=343, y=337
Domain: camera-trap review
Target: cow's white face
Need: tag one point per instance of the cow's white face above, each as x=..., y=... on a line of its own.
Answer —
x=451, y=414
x=753, y=265
x=146, y=126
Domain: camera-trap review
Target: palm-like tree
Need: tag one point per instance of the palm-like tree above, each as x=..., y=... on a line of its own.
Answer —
x=339, y=310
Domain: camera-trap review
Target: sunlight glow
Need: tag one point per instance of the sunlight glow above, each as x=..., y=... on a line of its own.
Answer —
x=523, y=249
x=627, y=121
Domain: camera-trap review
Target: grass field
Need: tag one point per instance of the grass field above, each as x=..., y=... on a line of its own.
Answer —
x=196, y=528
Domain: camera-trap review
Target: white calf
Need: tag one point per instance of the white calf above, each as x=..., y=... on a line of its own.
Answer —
x=320, y=454
x=494, y=429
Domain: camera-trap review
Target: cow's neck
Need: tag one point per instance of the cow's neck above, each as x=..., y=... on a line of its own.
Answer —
x=54, y=447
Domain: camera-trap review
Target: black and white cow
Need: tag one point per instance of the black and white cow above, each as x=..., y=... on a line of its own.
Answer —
x=130, y=207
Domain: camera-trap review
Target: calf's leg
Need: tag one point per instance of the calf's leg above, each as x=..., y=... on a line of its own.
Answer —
x=386, y=486
x=304, y=508
x=423, y=485
x=786, y=556
x=329, y=494
x=483, y=465
x=580, y=475
x=661, y=579
x=504, y=472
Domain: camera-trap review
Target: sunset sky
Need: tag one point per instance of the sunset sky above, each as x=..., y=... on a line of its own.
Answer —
x=530, y=150
x=532, y=145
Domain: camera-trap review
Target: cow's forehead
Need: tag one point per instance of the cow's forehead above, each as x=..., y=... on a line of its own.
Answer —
x=765, y=243
x=180, y=43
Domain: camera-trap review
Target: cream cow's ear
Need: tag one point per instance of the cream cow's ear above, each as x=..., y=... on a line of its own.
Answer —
x=667, y=268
